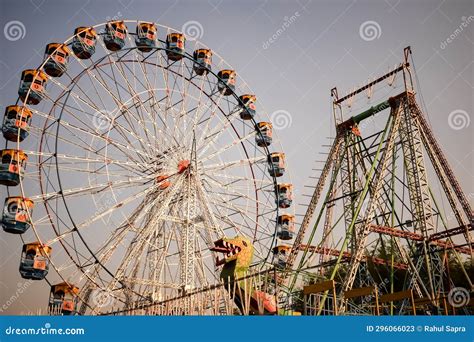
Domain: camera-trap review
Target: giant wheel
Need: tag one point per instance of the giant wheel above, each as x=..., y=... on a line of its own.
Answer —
x=139, y=156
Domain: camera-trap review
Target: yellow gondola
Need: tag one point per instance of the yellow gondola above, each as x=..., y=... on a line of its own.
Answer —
x=63, y=299
x=202, y=61
x=12, y=166
x=146, y=36
x=57, y=56
x=175, y=46
x=284, y=195
x=16, y=216
x=285, y=226
x=16, y=123
x=276, y=166
x=84, y=41
x=33, y=85
x=34, y=263
x=115, y=35
x=280, y=255
x=264, y=134
x=247, y=106
x=226, y=83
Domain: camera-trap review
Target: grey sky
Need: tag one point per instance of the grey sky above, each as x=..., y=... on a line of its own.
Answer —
x=321, y=47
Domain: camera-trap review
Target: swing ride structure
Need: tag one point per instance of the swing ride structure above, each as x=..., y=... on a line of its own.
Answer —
x=388, y=224
x=126, y=158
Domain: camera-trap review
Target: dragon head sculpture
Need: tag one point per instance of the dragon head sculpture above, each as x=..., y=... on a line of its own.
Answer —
x=237, y=255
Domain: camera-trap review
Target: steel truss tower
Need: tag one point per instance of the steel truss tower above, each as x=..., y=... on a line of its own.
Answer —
x=376, y=192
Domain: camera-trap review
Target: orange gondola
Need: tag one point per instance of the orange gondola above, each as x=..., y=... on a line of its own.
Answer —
x=146, y=36
x=226, y=83
x=33, y=86
x=264, y=134
x=34, y=263
x=175, y=46
x=284, y=195
x=247, y=106
x=84, y=41
x=285, y=226
x=115, y=35
x=16, y=216
x=276, y=166
x=202, y=61
x=57, y=56
x=280, y=255
x=16, y=123
x=63, y=299
x=12, y=166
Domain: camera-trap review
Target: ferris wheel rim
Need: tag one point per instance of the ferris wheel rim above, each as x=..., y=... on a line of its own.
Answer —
x=186, y=55
x=72, y=84
x=86, y=244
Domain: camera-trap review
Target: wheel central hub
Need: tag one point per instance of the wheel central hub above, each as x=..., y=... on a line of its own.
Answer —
x=183, y=165
x=164, y=180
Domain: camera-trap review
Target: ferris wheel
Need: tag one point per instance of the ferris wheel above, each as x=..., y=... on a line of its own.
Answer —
x=126, y=157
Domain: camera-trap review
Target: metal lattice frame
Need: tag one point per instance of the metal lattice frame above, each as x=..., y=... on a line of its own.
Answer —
x=366, y=173
x=100, y=138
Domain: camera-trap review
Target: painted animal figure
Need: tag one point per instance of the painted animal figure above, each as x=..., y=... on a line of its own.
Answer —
x=238, y=254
